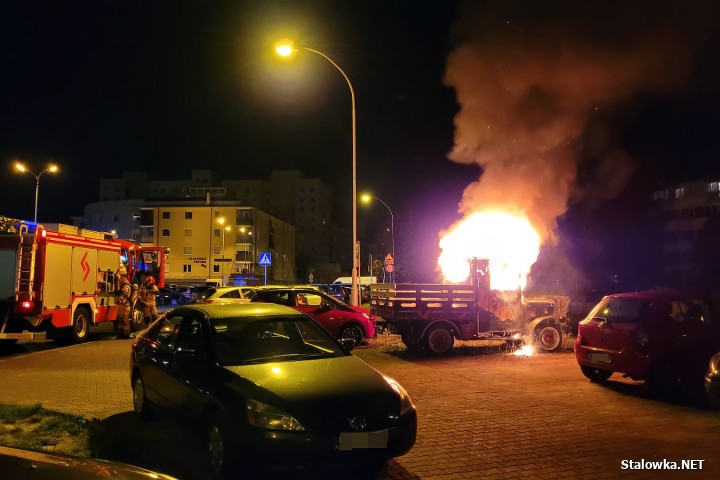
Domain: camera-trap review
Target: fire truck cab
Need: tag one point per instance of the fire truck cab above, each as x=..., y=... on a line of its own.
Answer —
x=61, y=280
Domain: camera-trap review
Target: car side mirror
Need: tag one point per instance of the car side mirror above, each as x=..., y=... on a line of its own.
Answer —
x=347, y=343
x=602, y=320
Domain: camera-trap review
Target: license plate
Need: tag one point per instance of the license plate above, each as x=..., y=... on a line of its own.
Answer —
x=352, y=440
x=599, y=357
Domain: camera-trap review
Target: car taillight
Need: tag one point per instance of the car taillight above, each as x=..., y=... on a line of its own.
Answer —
x=641, y=337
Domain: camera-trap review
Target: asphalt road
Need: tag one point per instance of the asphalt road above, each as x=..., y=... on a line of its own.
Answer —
x=482, y=413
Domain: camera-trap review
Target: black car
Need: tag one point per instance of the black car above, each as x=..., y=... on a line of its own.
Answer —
x=168, y=296
x=24, y=464
x=267, y=385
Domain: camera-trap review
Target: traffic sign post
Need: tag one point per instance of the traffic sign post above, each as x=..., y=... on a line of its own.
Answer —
x=265, y=261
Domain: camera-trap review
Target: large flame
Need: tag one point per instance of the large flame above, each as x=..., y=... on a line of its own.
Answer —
x=508, y=241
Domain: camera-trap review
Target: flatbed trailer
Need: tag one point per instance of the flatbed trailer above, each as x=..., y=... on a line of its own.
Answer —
x=431, y=317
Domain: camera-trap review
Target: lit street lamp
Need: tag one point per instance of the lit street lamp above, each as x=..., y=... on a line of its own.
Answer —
x=286, y=50
x=22, y=168
x=221, y=221
x=366, y=199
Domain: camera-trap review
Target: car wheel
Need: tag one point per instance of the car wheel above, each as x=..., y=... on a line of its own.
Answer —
x=666, y=376
x=549, y=338
x=80, y=325
x=217, y=448
x=352, y=331
x=596, y=375
x=141, y=406
x=439, y=340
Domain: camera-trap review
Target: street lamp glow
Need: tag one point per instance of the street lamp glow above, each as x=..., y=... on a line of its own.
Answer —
x=366, y=198
x=22, y=168
x=285, y=49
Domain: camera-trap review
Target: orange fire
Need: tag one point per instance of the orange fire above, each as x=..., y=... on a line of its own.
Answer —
x=508, y=241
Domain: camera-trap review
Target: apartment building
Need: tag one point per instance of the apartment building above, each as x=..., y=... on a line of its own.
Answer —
x=690, y=212
x=287, y=195
x=220, y=240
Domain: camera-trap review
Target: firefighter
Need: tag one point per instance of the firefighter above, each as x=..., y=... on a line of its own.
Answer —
x=123, y=299
x=147, y=295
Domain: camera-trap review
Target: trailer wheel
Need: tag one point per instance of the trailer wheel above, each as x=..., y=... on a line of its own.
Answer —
x=80, y=325
x=439, y=340
x=549, y=338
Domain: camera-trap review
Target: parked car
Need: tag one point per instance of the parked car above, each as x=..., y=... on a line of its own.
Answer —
x=23, y=464
x=712, y=381
x=663, y=337
x=226, y=294
x=167, y=296
x=264, y=382
x=340, y=319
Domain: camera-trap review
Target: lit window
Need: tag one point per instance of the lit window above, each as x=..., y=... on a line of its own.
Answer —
x=679, y=192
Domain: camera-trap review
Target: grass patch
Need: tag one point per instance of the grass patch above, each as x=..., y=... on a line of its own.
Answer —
x=34, y=427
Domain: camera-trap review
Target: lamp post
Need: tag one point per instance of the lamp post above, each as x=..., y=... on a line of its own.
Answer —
x=285, y=50
x=22, y=168
x=366, y=199
x=247, y=232
x=221, y=221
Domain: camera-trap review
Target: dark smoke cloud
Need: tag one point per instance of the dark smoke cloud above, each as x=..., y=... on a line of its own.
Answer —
x=529, y=78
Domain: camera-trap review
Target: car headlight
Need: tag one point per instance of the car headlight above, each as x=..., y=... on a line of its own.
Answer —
x=405, y=403
x=263, y=415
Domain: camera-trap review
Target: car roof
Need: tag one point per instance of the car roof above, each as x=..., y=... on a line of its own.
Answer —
x=225, y=310
x=297, y=288
x=654, y=295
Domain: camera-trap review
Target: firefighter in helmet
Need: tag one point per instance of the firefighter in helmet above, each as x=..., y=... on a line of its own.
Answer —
x=123, y=299
x=147, y=295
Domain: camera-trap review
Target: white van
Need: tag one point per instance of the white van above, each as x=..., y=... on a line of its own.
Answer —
x=361, y=280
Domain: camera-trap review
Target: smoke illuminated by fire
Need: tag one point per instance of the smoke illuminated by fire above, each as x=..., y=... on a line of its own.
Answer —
x=534, y=82
x=508, y=241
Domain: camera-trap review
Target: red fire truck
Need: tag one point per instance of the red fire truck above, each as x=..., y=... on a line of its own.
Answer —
x=61, y=280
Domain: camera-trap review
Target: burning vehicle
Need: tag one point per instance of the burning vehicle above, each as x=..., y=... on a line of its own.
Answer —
x=429, y=317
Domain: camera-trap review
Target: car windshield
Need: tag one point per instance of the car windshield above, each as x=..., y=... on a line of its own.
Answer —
x=244, y=341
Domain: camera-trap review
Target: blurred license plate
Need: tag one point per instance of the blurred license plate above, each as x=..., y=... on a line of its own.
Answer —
x=599, y=357
x=351, y=440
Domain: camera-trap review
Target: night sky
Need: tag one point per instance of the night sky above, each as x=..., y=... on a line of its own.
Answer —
x=598, y=99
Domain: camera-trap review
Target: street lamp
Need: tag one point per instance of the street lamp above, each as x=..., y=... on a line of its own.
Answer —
x=221, y=221
x=366, y=199
x=22, y=168
x=286, y=50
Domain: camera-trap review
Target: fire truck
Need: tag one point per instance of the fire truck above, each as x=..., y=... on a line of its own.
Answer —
x=429, y=317
x=58, y=281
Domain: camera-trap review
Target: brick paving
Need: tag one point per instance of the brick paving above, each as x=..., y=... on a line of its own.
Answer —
x=482, y=413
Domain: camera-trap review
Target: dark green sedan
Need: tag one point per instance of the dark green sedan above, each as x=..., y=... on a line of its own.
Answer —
x=269, y=387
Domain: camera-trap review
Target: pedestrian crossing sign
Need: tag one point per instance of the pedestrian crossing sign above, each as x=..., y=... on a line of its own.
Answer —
x=265, y=259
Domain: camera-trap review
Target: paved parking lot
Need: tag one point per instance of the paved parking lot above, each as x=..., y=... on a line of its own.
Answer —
x=482, y=414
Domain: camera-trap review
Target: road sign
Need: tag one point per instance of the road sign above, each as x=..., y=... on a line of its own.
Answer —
x=389, y=260
x=265, y=259
x=389, y=268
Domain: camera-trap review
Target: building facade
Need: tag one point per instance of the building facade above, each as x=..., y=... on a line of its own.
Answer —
x=220, y=241
x=690, y=216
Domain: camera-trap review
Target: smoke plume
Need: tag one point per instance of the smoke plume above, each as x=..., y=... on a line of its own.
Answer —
x=529, y=79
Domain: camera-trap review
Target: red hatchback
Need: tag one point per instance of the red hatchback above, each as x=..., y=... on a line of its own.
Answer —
x=338, y=318
x=663, y=337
